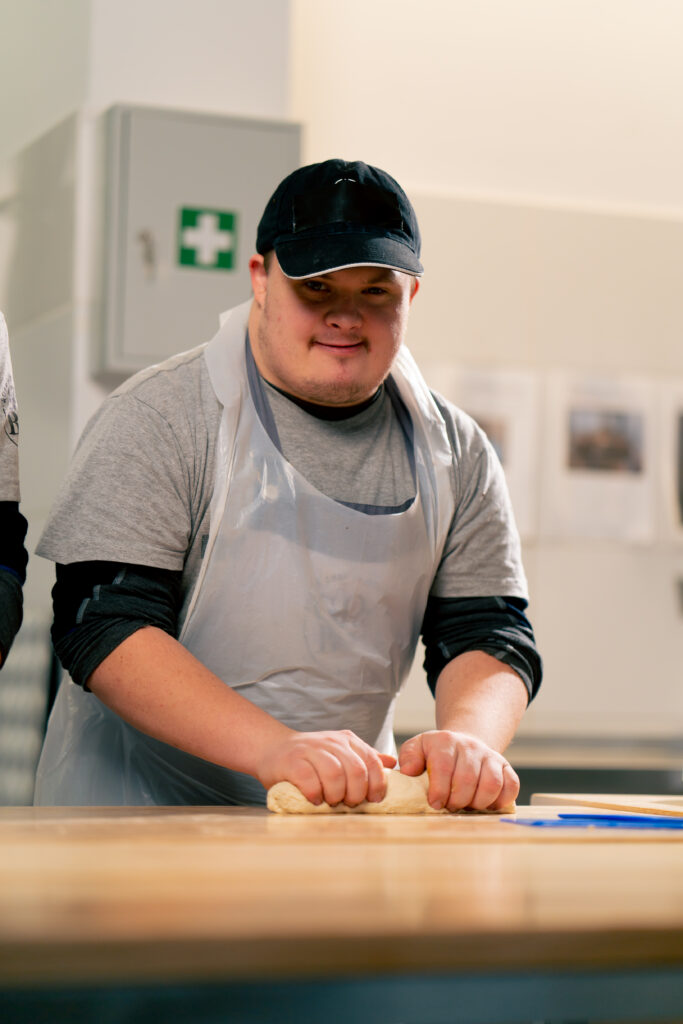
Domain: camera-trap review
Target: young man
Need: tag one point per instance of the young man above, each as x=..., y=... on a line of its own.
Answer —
x=253, y=534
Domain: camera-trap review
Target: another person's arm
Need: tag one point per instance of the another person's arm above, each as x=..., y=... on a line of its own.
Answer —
x=13, y=559
x=13, y=556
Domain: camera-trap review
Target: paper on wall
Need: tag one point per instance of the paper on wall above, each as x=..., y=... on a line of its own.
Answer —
x=598, y=458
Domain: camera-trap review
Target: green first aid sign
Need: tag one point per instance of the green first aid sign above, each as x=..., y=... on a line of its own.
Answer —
x=207, y=239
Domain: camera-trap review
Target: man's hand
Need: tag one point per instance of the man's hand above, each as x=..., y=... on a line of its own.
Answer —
x=335, y=767
x=463, y=771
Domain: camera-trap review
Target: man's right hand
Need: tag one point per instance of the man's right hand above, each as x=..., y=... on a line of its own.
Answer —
x=334, y=767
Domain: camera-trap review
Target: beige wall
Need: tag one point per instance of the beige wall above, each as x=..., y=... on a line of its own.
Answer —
x=563, y=100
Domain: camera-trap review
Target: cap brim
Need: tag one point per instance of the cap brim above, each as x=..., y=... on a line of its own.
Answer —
x=309, y=257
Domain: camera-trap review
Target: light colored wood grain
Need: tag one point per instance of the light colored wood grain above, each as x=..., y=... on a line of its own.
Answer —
x=216, y=892
x=642, y=804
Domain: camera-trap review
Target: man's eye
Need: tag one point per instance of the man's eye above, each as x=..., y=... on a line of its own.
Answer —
x=315, y=286
x=375, y=290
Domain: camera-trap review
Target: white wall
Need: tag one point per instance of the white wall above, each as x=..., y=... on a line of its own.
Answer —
x=58, y=56
x=43, y=67
x=218, y=56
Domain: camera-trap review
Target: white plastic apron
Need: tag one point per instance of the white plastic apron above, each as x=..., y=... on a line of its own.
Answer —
x=308, y=608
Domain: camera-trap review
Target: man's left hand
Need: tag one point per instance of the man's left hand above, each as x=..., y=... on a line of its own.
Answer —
x=463, y=771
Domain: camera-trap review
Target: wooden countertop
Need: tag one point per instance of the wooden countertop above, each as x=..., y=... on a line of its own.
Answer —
x=90, y=894
x=668, y=804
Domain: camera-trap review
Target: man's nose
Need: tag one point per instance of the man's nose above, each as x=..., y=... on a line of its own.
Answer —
x=344, y=314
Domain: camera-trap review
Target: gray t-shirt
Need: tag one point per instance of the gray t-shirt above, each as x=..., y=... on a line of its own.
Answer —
x=140, y=484
x=9, y=423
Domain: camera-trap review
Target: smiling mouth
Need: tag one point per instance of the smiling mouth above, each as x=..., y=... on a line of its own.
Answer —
x=341, y=346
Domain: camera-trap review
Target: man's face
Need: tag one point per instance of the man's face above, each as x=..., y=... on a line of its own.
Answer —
x=329, y=339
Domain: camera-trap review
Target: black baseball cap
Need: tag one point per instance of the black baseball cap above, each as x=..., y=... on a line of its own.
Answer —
x=339, y=214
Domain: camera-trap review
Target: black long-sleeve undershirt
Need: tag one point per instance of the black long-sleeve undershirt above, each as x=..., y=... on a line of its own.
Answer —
x=13, y=561
x=98, y=605
x=495, y=625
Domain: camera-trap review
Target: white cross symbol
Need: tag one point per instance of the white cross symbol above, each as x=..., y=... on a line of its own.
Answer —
x=207, y=239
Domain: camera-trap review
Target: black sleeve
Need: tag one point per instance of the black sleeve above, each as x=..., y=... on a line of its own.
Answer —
x=11, y=610
x=495, y=625
x=13, y=560
x=13, y=526
x=97, y=605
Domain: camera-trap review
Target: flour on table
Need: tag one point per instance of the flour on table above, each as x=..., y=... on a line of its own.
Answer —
x=406, y=794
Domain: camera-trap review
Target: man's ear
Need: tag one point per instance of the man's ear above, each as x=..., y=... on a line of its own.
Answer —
x=415, y=288
x=259, y=278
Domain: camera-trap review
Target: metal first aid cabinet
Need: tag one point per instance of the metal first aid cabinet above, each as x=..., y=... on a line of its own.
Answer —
x=184, y=193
